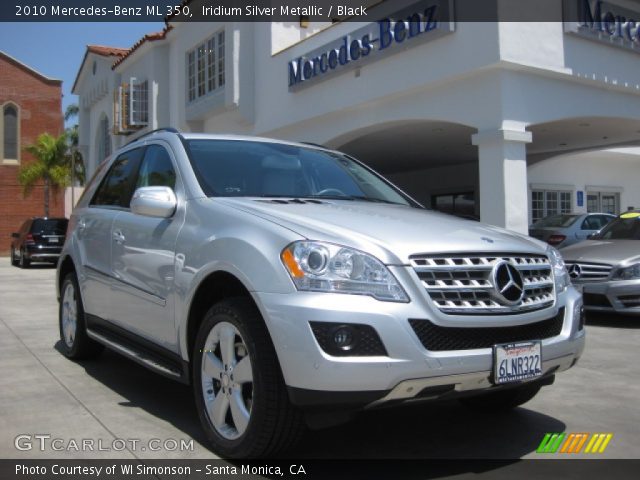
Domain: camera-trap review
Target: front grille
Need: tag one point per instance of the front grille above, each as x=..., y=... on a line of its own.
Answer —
x=581, y=272
x=436, y=338
x=463, y=283
x=630, y=301
x=596, y=300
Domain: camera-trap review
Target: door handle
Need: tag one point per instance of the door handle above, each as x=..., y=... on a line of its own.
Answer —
x=118, y=237
x=82, y=224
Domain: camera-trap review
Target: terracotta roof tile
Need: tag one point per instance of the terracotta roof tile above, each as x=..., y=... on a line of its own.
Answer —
x=149, y=37
x=107, y=51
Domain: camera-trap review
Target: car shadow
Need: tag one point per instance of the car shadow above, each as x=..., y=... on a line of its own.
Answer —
x=436, y=430
x=161, y=397
x=41, y=266
x=612, y=320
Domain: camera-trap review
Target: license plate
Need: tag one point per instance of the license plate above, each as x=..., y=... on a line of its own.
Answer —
x=514, y=362
x=54, y=240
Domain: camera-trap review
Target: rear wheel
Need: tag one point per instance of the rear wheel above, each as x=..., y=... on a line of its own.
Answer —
x=75, y=342
x=502, y=400
x=24, y=262
x=240, y=393
x=14, y=260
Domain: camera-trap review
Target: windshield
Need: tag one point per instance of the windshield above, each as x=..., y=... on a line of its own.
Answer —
x=556, y=221
x=52, y=226
x=621, y=229
x=238, y=168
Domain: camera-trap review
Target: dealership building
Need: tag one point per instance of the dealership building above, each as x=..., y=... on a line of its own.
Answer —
x=505, y=121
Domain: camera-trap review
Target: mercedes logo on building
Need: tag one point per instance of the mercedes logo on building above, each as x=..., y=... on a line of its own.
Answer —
x=508, y=283
x=575, y=271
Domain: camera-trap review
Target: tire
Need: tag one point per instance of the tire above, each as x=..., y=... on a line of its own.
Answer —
x=503, y=400
x=75, y=342
x=254, y=415
x=14, y=260
x=23, y=262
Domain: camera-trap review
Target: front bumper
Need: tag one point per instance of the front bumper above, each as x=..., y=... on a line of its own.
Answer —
x=408, y=368
x=622, y=296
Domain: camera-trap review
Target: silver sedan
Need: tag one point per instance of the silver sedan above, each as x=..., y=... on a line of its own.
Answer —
x=566, y=229
x=607, y=266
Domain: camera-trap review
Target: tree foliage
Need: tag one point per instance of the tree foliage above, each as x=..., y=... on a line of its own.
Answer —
x=50, y=166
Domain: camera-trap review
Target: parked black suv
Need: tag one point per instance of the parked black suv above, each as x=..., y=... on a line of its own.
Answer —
x=39, y=240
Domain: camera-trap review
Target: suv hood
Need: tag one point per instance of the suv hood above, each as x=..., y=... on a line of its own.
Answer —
x=390, y=232
x=611, y=252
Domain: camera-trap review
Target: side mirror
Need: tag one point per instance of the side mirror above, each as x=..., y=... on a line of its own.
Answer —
x=15, y=235
x=154, y=202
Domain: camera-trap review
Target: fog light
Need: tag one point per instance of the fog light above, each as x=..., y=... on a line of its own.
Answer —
x=344, y=338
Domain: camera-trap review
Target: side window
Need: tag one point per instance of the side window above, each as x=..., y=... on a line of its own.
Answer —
x=589, y=223
x=157, y=169
x=117, y=187
x=603, y=220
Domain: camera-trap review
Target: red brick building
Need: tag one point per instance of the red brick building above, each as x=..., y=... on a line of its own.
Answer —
x=30, y=104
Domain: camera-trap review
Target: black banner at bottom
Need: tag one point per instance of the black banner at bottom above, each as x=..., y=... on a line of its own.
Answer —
x=317, y=469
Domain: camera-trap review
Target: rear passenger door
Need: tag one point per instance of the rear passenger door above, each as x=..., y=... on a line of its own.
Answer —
x=143, y=250
x=94, y=236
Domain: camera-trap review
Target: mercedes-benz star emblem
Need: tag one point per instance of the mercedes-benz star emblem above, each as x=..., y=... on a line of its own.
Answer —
x=575, y=271
x=508, y=283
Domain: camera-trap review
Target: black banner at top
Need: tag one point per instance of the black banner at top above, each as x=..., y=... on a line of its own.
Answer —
x=310, y=10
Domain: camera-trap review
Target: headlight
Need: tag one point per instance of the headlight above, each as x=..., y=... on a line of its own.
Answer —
x=560, y=274
x=324, y=267
x=628, y=273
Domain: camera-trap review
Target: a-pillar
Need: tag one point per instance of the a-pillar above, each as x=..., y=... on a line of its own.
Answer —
x=502, y=159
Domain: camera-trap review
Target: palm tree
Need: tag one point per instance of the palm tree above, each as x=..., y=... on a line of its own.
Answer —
x=50, y=166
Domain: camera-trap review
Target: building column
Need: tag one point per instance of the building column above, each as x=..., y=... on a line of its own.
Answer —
x=502, y=159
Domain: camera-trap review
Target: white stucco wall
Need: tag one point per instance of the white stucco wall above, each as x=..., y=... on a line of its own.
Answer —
x=612, y=171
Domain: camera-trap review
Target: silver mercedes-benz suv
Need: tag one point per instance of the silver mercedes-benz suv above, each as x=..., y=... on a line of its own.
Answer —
x=292, y=285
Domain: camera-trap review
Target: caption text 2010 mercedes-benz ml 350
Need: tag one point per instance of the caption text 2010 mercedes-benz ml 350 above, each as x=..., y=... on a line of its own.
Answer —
x=291, y=284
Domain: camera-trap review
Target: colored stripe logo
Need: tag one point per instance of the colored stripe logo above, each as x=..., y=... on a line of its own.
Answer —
x=574, y=443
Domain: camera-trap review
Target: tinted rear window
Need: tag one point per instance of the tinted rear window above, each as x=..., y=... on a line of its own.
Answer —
x=622, y=229
x=56, y=226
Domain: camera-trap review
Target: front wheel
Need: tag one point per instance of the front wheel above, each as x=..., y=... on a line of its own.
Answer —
x=75, y=342
x=502, y=400
x=239, y=390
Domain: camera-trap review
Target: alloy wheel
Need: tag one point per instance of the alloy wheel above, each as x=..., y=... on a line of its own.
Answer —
x=227, y=381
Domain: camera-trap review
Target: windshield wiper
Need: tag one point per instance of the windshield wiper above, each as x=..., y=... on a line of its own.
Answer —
x=355, y=197
x=334, y=197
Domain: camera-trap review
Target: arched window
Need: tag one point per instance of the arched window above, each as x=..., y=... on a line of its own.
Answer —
x=103, y=140
x=10, y=138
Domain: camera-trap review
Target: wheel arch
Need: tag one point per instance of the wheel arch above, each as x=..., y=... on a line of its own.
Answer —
x=215, y=287
x=66, y=266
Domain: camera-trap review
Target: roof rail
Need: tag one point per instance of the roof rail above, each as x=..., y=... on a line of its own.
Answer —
x=158, y=130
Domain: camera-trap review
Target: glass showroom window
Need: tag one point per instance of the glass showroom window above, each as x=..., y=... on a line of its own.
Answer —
x=549, y=202
x=603, y=202
x=205, y=67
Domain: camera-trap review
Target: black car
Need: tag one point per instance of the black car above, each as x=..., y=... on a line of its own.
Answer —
x=39, y=240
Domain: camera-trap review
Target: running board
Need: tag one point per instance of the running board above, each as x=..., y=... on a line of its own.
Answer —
x=139, y=352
